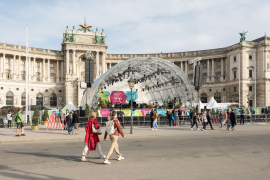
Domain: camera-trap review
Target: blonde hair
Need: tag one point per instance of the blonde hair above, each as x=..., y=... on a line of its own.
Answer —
x=112, y=114
x=170, y=112
x=93, y=114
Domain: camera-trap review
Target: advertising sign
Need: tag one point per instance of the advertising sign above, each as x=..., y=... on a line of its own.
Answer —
x=83, y=85
x=118, y=97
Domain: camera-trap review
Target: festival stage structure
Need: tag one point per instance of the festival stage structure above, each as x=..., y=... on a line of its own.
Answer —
x=156, y=81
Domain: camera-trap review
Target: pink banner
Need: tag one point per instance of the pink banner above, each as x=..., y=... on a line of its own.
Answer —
x=104, y=113
x=118, y=97
x=145, y=112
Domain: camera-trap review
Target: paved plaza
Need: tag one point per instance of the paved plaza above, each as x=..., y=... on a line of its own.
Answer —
x=169, y=153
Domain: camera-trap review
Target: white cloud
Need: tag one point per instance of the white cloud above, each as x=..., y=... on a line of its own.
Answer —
x=138, y=26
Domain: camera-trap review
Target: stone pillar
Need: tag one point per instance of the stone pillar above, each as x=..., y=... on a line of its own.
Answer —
x=57, y=72
x=186, y=67
x=43, y=70
x=4, y=68
x=110, y=65
x=222, y=74
x=49, y=71
x=62, y=71
x=73, y=62
x=103, y=62
x=97, y=63
x=18, y=67
x=14, y=67
x=181, y=65
x=213, y=71
x=34, y=69
x=208, y=69
x=67, y=61
x=11, y=64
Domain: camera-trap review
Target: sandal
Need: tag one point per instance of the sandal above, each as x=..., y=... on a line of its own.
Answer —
x=17, y=135
x=23, y=134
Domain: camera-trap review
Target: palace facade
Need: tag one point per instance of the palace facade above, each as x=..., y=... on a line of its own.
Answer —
x=56, y=76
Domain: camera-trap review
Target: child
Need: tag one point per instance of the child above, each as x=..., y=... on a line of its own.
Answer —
x=228, y=122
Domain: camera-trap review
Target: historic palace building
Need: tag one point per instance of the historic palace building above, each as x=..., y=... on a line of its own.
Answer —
x=56, y=76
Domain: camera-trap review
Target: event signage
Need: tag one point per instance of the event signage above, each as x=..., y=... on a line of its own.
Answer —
x=118, y=97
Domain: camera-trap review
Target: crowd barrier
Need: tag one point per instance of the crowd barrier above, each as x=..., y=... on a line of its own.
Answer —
x=55, y=123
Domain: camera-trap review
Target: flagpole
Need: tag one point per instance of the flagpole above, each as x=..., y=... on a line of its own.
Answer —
x=26, y=76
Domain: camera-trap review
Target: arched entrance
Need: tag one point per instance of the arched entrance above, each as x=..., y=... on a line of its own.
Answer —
x=156, y=79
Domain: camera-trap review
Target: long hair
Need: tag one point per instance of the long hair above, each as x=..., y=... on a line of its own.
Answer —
x=112, y=114
x=194, y=114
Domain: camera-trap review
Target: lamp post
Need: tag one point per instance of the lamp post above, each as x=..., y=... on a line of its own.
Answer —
x=131, y=83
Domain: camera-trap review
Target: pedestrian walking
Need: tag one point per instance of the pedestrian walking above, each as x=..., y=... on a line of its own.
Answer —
x=9, y=119
x=170, y=117
x=224, y=117
x=194, y=118
x=120, y=115
x=174, y=113
x=151, y=115
x=20, y=122
x=155, y=116
x=248, y=115
x=208, y=116
x=233, y=119
x=204, y=121
x=75, y=123
x=92, y=141
x=69, y=122
x=242, y=122
x=190, y=116
x=228, y=122
x=114, y=137
x=220, y=115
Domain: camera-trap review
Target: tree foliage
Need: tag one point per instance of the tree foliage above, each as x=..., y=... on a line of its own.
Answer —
x=45, y=114
x=35, y=116
x=87, y=111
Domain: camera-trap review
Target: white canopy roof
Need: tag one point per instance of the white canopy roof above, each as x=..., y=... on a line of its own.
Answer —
x=212, y=100
x=214, y=105
x=69, y=106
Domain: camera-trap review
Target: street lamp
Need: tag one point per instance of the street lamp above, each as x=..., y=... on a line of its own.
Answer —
x=131, y=83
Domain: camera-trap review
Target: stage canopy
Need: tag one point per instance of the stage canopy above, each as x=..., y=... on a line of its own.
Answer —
x=157, y=80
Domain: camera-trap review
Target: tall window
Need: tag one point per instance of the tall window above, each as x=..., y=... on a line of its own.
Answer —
x=250, y=103
x=234, y=74
x=9, y=98
x=204, y=78
x=191, y=66
x=203, y=98
x=53, y=100
x=23, y=99
x=250, y=57
x=250, y=73
x=39, y=99
x=218, y=78
x=217, y=97
x=234, y=89
x=234, y=58
x=205, y=65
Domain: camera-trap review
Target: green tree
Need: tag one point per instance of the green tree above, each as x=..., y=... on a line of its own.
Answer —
x=87, y=110
x=213, y=111
x=35, y=117
x=45, y=115
x=196, y=109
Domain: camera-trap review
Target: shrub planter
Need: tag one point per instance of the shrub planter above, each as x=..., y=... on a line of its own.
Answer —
x=35, y=128
x=45, y=123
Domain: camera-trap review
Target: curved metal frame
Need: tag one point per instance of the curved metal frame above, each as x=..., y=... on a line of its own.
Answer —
x=146, y=66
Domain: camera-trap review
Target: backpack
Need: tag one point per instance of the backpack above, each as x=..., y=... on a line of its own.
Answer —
x=16, y=118
x=110, y=127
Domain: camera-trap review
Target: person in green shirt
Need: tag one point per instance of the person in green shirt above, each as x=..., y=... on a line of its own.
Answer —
x=20, y=122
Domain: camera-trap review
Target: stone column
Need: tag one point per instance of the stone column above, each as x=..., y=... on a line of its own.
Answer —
x=4, y=68
x=73, y=62
x=34, y=69
x=213, y=71
x=208, y=68
x=67, y=61
x=18, y=67
x=97, y=63
x=14, y=67
x=186, y=67
x=181, y=65
x=62, y=71
x=222, y=74
x=57, y=72
x=49, y=71
x=103, y=62
x=110, y=65
x=11, y=64
x=43, y=71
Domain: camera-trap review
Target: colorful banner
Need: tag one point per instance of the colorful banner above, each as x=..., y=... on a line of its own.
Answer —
x=118, y=97
x=134, y=95
x=104, y=113
x=104, y=95
x=161, y=112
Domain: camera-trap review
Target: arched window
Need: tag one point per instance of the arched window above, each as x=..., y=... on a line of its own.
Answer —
x=53, y=100
x=204, y=98
x=39, y=99
x=23, y=99
x=9, y=98
x=217, y=97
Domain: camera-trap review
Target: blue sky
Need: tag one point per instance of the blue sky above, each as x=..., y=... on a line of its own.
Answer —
x=141, y=26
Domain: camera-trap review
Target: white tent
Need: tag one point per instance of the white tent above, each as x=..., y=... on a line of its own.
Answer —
x=209, y=104
x=69, y=106
x=214, y=105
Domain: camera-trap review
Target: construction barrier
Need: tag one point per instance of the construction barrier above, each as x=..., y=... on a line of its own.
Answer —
x=55, y=123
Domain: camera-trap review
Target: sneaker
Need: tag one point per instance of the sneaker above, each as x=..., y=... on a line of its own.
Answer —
x=106, y=161
x=198, y=129
x=120, y=158
x=102, y=157
x=152, y=129
x=192, y=129
x=83, y=159
x=203, y=130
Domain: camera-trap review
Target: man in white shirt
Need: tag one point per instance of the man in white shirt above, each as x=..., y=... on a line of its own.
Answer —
x=9, y=118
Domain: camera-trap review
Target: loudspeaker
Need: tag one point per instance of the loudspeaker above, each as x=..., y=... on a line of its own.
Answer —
x=89, y=71
x=198, y=77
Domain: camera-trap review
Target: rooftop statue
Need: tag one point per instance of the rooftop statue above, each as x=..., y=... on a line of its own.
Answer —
x=103, y=39
x=73, y=38
x=243, y=38
x=66, y=36
x=97, y=39
x=84, y=27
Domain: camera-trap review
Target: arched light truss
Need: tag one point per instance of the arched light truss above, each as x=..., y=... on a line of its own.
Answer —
x=156, y=78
